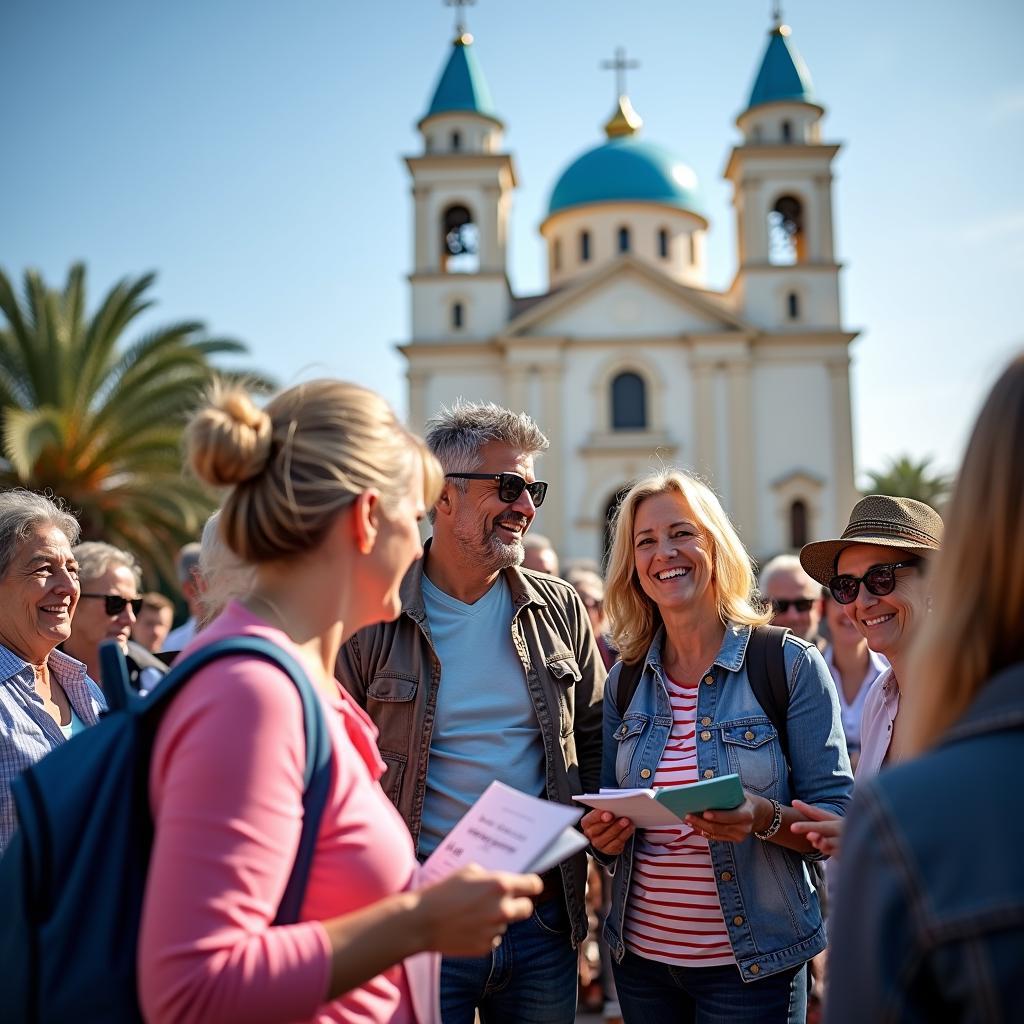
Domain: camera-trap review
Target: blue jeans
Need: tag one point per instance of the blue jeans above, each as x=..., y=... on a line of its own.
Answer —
x=655, y=993
x=529, y=979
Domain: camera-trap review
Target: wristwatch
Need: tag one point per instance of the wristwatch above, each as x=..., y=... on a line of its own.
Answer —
x=776, y=822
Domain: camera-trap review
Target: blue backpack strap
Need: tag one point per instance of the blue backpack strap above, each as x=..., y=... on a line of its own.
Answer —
x=317, y=771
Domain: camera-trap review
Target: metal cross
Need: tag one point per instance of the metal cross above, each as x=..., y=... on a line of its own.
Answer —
x=777, y=11
x=460, y=25
x=620, y=66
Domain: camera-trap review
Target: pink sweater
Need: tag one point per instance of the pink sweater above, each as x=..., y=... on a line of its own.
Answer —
x=225, y=788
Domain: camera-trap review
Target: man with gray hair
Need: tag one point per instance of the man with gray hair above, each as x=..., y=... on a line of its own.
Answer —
x=794, y=598
x=188, y=580
x=490, y=672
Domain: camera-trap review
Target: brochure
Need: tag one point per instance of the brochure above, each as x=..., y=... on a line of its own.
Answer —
x=506, y=830
x=669, y=805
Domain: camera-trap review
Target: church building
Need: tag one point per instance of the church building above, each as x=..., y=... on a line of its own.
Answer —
x=629, y=360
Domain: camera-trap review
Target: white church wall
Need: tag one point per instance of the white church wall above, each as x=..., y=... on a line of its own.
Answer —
x=624, y=306
x=793, y=434
x=484, y=303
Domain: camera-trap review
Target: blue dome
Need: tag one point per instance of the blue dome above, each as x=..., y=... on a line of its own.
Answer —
x=627, y=169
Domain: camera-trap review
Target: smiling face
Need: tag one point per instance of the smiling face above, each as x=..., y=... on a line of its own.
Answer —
x=672, y=554
x=888, y=622
x=490, y=531
x=92, y=623
x=38, y=595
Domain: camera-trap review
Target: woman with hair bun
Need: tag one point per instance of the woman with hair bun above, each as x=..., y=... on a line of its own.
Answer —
x=326, y=489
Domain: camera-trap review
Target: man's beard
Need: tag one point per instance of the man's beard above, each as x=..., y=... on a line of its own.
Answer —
x=495, y=553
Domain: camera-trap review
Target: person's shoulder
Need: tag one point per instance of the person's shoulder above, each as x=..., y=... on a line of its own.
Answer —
x=551, y=588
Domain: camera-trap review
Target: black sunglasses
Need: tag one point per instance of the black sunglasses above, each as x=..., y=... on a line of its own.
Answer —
x=879, y=580
x=510, y=486
x=114, y=604
x=801, y=604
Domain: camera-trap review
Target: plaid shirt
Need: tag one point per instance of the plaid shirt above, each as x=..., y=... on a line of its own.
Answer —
x=27, y=732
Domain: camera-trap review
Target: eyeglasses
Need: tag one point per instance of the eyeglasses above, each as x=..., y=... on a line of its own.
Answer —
x=879, y=580
x=510, y=486
x=801, y=604
x=114, y=604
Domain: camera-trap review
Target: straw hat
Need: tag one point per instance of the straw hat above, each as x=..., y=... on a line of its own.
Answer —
x=876, y=519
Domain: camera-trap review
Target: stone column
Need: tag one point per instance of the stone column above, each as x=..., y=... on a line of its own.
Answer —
x=845, y=489
x=743, y=506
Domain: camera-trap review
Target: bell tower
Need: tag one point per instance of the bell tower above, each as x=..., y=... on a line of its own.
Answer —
x=462, y=186
x=781, y=174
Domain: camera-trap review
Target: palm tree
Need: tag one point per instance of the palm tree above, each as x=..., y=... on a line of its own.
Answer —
x=99, y=423
x=906, y=478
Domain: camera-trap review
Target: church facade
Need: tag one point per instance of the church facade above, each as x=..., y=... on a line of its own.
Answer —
x=629, y=361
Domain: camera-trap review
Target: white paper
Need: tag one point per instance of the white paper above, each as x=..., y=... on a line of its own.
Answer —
x=638, y=805
x=506, y=830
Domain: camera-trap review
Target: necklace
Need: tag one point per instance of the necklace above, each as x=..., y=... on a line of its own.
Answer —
x=278, y=614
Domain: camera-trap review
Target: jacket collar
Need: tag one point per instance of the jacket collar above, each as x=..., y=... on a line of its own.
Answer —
x=520, y=586
x=730, y=655
x=999, y=705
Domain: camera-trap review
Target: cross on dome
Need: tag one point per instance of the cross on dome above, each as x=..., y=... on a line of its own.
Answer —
x=460, y=24
x=620, y=65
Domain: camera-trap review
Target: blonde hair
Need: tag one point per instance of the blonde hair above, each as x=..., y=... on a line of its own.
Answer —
x=977, y=579
x=633, y=615
x=296, y=464
x=224, y=576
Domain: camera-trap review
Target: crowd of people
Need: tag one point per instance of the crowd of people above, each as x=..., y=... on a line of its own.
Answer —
x=867, y=874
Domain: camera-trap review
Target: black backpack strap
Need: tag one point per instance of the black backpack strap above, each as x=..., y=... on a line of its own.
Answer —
x=629, y=680
x=766, y=672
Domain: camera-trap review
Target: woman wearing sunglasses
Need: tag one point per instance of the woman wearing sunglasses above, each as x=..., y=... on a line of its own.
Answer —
x=877, y=571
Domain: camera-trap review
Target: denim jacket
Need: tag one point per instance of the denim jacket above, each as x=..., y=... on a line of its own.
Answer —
x=771, y=909
x=393, y=670
x=929, y=923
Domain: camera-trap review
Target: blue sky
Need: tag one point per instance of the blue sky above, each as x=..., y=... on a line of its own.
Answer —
x=249, y=152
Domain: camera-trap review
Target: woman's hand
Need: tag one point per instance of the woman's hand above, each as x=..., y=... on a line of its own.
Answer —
x=469, y=912
x=731, y=826
x=823, y=829
x=607, y=834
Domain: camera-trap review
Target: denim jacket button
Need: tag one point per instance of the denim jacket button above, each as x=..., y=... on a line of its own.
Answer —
x=748, y=735
x=645, y=773
x=709, y=679
x=705, y=720
x=737, y=920
x=755, y=969
x=705, y=735
x=726, y=876
x=708, y=773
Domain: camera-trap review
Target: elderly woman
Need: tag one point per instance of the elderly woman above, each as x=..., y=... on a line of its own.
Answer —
x=876, y=571
x=714, y=919
x=45, y=695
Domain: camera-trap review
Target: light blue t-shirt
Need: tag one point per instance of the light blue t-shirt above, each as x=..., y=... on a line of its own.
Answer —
x=485, y=726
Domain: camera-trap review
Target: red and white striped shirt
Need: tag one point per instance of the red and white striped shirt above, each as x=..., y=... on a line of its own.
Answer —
x=673, y=914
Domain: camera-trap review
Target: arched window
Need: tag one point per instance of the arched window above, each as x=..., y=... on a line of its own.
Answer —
x=793, y=306
x=786, y=241
x=457, y=315
x=556, y=254
x=456, y=141
x=623, y=239
x=460, y=242
x=798, y=523
x=629, y=402
x=663, y=243
x=787, y=131
x=693, y=250
x=584, y=246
